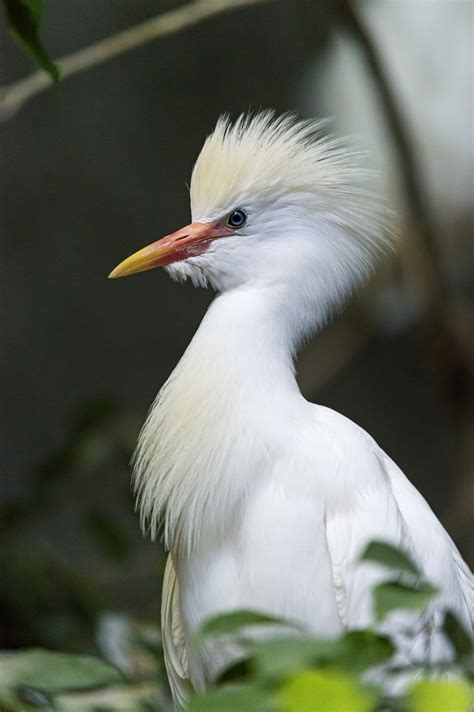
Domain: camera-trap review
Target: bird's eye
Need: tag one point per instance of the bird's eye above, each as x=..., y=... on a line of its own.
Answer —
x=237, y=218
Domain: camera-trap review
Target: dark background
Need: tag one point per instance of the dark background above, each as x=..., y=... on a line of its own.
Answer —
x=94, y=173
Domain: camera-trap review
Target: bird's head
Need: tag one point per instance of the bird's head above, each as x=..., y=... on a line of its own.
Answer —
x=274, y=202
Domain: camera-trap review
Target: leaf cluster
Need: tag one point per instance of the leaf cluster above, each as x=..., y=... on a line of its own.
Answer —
x=283, y=670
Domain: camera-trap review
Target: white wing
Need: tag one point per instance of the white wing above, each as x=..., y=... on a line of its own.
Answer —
x=395, y=512
x=432, y=546
x=174, y=643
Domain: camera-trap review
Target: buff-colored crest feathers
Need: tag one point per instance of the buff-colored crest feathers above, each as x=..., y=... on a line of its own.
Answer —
x=264, y=154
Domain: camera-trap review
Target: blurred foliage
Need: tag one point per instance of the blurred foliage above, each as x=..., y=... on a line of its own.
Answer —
x=23, y=19
x=45, y=598
x=325, y=691
x=282, y=671
x=99, y=432
x=440, y=696
x=408, y=591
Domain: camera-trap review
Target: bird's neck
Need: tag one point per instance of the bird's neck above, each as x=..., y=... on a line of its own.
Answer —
x=220, y=417
x=248, y=334
x=263, y=325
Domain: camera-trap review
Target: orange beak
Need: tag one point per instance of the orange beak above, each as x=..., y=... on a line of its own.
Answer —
x=192, y=240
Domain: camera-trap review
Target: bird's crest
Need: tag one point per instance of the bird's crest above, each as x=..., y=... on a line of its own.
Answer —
x=264, y=155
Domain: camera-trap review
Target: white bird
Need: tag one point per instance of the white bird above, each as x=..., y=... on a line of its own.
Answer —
x=267, y=500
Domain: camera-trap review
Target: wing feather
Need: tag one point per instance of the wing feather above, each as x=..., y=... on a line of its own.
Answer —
x=395, y=512
x=174, y=642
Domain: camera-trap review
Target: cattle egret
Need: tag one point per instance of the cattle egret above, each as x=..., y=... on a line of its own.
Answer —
x=266, y=500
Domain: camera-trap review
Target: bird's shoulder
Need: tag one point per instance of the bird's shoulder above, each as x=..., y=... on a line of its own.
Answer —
x=367, y=473
x=338, y=453
x=328, y=422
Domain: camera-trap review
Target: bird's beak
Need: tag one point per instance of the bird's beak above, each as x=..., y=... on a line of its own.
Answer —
x=192, y=240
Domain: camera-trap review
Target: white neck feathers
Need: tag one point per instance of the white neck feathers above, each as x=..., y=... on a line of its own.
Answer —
x=203, y=441
x=223, y=412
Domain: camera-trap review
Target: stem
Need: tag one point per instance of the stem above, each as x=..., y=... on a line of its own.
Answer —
x=14, y=96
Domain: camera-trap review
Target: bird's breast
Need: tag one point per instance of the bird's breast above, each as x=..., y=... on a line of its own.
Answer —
x=274, y=560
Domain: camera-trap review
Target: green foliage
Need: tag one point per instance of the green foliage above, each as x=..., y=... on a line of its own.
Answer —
x=392, y=596
x=55, y=671
x=243, y=698
x=355, y=652
x=440, y=696
x=23, y=20
x=130, y=678
x=236, y=620
x=409, y=591
x=48, y=599
x=283, y=670
x=458, y=636
x=325, y=691
x=35, y=676
x=389, y=556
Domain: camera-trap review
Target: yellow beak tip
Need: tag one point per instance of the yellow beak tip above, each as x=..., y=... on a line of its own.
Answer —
x=122, y=270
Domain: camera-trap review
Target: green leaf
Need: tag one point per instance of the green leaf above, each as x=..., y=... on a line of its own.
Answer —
x=457, y=635
x=35, y=7
x=23, y=20
x=144, y=696
x=364, y=649
x=325, y=691
x=355, y=652
x=283, y=657
x=236, y=672
x=249, y=698
x=389, y=556
x=392, y=595
x=232, y=621
x=50, y=671
x=440, y=696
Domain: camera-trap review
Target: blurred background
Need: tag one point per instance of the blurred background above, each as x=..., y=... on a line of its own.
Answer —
x=98, y=169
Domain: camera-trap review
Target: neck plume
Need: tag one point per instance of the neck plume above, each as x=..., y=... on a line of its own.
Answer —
x=205, y=432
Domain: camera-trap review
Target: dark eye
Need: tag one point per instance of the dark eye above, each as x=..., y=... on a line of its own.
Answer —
x=237, y=218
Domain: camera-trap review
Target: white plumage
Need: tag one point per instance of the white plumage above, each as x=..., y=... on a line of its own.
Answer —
x=267, y=501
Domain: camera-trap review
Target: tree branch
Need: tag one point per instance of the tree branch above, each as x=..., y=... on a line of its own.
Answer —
x=14, y=96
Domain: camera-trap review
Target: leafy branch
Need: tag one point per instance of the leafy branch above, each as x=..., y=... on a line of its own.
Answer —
x=14, y=96
x=23, y=19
